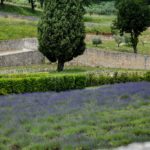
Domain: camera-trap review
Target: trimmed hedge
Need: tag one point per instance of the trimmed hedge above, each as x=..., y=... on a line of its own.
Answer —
x=41, y=83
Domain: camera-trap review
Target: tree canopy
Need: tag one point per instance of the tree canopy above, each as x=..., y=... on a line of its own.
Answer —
x=133, y=17
x=61, y=31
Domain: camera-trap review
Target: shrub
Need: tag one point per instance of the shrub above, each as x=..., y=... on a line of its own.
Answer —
x=118, y=39
x=3, y=91
x=127, y=40
x=96, y=41
x=65, y=81
x=147, y=76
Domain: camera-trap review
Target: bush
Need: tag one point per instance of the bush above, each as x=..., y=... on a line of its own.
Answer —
x=118, y=39
x=65, y=81
x=127, y=40
x=96, y=41
x=147, y=76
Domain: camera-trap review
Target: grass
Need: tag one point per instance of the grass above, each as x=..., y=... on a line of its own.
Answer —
x=101, y=8
x=97, y=28
x=104, y=19
x=11, y=28
x=51, y=68
x=101, y=118
x=19, y=10
x=22, y=28
x=16, y=7
x=110, y=45
x=98, y=23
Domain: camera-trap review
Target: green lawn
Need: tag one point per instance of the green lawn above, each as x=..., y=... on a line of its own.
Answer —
x=11, y=28
x=19, y=10
x=98, y=23
x=104, y=19
x=111, y=45
x=51, y=68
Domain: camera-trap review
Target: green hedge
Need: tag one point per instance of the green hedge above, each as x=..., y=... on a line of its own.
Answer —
x=46, y=82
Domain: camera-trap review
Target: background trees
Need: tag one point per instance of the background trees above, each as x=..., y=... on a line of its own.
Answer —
x=61, y=31
x=2, y=2
x=32, y=2
x=133, y=17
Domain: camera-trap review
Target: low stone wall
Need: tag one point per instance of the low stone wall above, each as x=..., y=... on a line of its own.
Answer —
x=21, y=58
x=20, y=52
x=101, y=58
x=13, y=45
x=28, y=54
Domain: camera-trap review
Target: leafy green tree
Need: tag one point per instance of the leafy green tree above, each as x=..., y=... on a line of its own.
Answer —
x=133, y=17
x=61, y=31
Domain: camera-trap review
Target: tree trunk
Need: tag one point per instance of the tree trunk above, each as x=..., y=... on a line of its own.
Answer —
x=32, y=4
x=135, y=49
x=2, y=2
x=41, y=2
x=134, y=41
x=60, y=66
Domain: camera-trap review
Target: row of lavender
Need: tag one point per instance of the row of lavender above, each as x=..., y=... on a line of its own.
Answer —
x=93, y=118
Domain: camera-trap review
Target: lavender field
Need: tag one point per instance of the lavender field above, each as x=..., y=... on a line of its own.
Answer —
x=92, y=118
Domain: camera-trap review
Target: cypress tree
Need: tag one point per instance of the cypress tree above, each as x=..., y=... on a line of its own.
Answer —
x=61, y=31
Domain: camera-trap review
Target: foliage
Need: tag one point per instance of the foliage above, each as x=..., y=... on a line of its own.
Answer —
x=133, y=17
x=101, y=19
x=127, y=40
x=61, y=31
x=33, y=5
x=103, y=8
x=122, y=39
x=118, y=39
x=96, y=41
x=60, y=82
x=94, y=118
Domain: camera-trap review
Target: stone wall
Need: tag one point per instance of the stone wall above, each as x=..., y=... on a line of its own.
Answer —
x=28, y=54
x=101, y=58
x=21, y=58
x=20, y=52
x=13, y=45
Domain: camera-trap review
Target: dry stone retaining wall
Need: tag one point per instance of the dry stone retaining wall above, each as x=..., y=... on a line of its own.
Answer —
x=101, y=58
x=21, y=58
x=20, y=52
x=28, y=54
x=13, y=45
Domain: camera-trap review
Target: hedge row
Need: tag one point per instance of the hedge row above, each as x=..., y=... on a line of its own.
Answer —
x=64, y=82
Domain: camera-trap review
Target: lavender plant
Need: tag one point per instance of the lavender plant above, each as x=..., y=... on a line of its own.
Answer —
x=103, y=117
